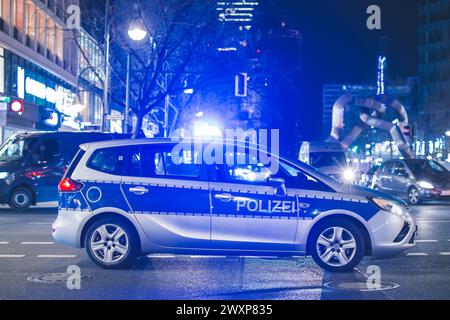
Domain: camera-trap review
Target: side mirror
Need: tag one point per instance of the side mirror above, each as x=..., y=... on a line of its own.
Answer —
x=279, y=186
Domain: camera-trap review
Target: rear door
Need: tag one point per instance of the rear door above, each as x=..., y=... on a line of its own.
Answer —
x=400, y=179
x=169, y=196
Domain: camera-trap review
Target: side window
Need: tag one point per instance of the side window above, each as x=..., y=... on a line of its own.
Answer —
x=399, y=169
x=387, y=168
x=183, y=166
x=254, y=172
x=157, y=161
x=108, y=160
x=48, y=151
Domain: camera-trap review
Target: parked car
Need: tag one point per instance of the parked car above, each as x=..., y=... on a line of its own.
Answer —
x=415, y=180
x=124, y=199
x=32, y=164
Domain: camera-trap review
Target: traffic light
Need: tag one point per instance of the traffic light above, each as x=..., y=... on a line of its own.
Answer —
x=240, y=89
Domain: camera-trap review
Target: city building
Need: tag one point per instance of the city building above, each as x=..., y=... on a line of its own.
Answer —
x=38, y=66
x=434, y=72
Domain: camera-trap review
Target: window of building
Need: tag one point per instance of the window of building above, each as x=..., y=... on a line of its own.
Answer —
x=41, y=30
x=5, y=14
x=51, y=35
x=31, y=22
x=18, y=16
x=59, y=44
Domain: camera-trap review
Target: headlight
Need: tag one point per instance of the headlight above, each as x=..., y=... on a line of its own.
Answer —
x=4, y=175
x=348, y=175
x=393, y=207
x=425, y=185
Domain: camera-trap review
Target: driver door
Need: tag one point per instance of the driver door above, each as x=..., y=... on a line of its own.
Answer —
x=247, y=212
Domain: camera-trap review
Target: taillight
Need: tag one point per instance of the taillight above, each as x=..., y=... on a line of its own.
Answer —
x=69, y=185
x=34, y=174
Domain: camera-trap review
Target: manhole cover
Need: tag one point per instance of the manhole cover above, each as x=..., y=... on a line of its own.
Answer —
x=360, y=286
x=53, y=278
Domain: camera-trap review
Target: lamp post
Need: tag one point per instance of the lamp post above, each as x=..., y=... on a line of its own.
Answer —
x=136, y=32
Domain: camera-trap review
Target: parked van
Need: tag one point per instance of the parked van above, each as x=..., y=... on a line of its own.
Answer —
x=328, y=157
x=32, y=164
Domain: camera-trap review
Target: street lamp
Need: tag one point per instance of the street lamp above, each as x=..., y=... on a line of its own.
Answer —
x=137, y=30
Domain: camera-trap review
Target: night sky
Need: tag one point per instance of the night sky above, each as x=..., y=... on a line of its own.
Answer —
x=338, y=47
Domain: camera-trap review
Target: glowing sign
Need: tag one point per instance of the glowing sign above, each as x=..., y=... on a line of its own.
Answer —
x=34, y=88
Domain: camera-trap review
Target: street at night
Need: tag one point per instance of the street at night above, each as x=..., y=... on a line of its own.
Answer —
x=33, y=267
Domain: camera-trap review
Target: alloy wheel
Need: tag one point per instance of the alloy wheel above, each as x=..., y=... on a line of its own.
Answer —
x=413, y=196
x=109, y=243
x=336, y=246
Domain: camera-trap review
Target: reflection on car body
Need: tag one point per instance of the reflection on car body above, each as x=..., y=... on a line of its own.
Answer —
x=123, y=199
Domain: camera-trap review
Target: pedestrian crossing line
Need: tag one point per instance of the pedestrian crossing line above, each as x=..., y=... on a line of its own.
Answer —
x=444, y=253
x=37, y=243
x=57, y=256
x=161, y=256
x=12, y=256
x=207, y=257
x=417, y=254
x=427, y=241
x=4, y=242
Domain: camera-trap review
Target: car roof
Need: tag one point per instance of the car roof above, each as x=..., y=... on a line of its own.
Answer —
x=150, y=141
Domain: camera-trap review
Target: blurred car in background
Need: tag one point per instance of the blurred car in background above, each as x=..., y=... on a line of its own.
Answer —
x=415, y=180
x=366, y=178
x=32, y=164
x=330, y=158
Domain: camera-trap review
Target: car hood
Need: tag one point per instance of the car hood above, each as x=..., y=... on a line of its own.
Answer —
x=359, y=191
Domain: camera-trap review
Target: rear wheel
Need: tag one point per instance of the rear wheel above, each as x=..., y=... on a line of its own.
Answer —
x=111, y=244
x=413, y=196
x=21, y=199
x=337, y=246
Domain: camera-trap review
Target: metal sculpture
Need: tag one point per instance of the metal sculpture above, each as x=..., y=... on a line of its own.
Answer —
x=372, y=112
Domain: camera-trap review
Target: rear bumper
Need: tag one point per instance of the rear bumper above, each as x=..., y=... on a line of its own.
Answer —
x=68, y=226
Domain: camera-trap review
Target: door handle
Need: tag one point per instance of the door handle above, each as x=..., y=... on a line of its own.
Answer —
x=138, y=190
x=225, y=197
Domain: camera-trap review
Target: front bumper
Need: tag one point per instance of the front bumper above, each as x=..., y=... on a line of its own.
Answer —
x=387, y=243
x=68, y=226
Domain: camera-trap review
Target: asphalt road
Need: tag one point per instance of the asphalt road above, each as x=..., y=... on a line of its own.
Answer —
x=32, y=266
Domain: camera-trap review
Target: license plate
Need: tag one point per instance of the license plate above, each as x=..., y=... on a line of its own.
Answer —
x=445, y=193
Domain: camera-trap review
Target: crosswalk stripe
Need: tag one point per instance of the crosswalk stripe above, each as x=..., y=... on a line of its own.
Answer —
x=57, y=256
x=37, y=242
x=418, y=254
x=12, y=255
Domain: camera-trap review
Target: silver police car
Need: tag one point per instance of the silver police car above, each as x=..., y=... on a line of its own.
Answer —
x=125, y=199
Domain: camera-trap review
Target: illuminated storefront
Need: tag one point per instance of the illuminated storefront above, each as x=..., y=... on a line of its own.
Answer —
x=47, y=100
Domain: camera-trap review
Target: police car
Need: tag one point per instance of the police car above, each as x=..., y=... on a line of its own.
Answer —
x=125, y=199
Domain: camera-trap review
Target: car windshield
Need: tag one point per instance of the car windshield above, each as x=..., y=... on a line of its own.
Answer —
x=425, y=166
x=15, y=148
x=327, y=159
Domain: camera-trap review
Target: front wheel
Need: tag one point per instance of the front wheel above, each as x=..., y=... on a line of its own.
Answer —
x=111, y=244
x=337, y=246
x=413, y=196
x=21, y=199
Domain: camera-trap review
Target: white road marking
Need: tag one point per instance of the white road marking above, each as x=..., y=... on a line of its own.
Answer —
x=161, y=256
x=436, y=221
x=63, y=256
x=258, y=257
x=12, y=255
x=426, y=241
x=417, y=254
x=37, y=242
x=207, y=257
x=41, y=223
x=444, y=253
x=7, y=242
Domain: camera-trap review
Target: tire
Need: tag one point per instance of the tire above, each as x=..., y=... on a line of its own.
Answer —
x=103, y=247
x=329, y=254
x=413, y=196
x=20, y=199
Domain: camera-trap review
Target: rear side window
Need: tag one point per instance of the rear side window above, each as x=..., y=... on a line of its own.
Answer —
x=75, y=162
x=108, y=160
